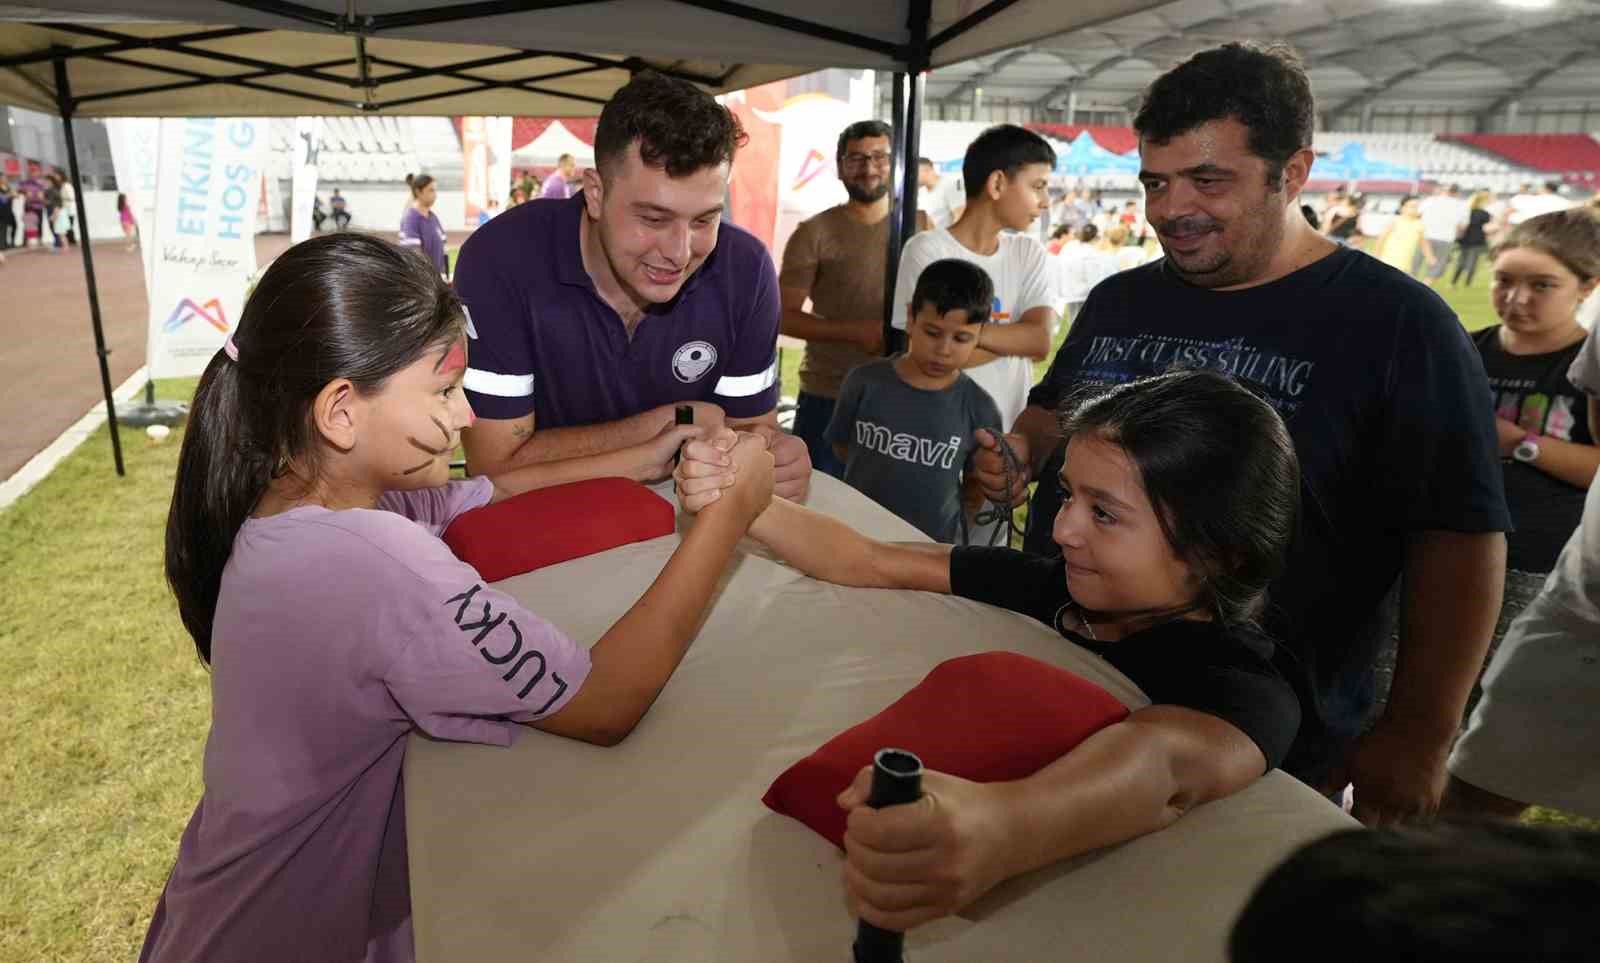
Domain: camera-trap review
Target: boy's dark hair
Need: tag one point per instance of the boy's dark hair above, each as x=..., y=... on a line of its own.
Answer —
x=1219, y=469
x=955, y=285
x=1262, y=86
x=679, y=127
x=1006, y=148
x=1464, y=893
x=859, y=130
x=343, y=305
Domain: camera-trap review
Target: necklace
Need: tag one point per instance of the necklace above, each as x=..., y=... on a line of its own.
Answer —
x=1077, y=613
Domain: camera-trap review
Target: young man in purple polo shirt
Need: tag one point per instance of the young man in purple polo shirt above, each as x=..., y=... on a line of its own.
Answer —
x=594, y=317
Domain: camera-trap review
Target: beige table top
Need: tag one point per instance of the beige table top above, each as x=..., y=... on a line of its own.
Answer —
x=661, y=850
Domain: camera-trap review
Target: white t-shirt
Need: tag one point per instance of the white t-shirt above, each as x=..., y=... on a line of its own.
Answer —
x=941, y=200
x=1589, y=311
x=1023, y=280
x=1442, y=216
x=1072, y=278
x=1524, y=206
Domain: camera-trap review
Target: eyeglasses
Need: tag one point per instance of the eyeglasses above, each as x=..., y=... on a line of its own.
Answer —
x=877, y=159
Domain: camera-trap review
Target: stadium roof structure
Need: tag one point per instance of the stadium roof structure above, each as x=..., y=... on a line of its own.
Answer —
x=1461, y=55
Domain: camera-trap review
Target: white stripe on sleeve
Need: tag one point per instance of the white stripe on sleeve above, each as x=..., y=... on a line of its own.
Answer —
x=499, y=385
x=743, y=386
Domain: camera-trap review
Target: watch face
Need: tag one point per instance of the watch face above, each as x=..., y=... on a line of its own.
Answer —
x=1526, y=451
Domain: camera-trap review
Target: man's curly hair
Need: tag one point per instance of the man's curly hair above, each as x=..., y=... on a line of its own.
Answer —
x=1262, y=86
x=678, y=127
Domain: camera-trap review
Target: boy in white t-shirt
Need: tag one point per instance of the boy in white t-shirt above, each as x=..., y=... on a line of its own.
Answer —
x=1006, y=171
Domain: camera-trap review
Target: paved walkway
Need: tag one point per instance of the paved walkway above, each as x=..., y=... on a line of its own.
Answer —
x=49, y=375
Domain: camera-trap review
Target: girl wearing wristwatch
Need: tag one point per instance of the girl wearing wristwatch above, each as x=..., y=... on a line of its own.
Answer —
x=1543, y=269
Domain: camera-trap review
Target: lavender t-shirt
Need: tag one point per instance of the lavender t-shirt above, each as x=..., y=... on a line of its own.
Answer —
x=556, y=186
x=424, y=231
x=337, y=633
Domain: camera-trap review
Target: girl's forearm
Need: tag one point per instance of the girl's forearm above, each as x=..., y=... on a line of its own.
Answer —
x=632, y=662
x=1116, y=785
x=827, y=549
x=1571, y=462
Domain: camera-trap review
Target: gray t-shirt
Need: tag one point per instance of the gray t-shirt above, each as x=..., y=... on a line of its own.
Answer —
x=1575, y=581
x=337, y=633
x=909, y=446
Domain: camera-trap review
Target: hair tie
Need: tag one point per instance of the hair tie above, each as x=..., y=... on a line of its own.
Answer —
x=230, y=349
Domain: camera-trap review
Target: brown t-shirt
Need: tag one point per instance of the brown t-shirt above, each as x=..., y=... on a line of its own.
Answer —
x=841, y=262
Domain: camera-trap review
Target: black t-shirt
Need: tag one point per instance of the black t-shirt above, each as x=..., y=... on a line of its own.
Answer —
x=1226, y=672
x=1532, y=390
x=1472, y=235
x=1384, y=396
x=1344, y=225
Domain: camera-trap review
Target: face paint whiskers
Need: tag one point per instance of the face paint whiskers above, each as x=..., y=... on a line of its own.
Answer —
x=433, y=452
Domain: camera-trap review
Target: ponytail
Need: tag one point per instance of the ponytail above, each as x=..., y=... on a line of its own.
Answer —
x=221, y=476
x=341, y=306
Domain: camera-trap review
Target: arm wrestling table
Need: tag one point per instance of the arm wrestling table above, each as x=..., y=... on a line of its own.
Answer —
x=661, y=850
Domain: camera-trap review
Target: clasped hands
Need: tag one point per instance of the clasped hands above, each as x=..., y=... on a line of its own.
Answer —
x=708, y=465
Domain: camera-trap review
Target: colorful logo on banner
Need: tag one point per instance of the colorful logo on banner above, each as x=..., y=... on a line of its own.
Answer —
x=809, y=169
x=187, y=310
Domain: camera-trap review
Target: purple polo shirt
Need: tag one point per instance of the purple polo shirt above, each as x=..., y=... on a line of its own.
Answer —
x=555, y=188
x=545, y=342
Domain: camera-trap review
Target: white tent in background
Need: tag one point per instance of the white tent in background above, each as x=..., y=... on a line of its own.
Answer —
x=548, y=147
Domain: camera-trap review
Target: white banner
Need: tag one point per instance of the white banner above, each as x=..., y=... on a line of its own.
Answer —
x=304, y=147
x=135, y=144
x=499, y=186
x=207, y=195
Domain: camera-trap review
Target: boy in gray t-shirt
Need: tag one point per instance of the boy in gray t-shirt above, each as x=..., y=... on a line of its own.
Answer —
x=904, y=426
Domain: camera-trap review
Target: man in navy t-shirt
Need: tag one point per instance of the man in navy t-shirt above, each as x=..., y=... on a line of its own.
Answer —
x=1382, y=392
x=594, y=317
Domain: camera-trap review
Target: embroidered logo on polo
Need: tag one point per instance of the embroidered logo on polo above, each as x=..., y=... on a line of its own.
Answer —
x=691, y=362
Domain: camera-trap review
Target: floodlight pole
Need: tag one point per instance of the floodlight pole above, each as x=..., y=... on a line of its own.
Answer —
x=65, y=105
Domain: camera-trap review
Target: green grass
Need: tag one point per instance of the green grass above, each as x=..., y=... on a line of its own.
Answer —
x=104, y=705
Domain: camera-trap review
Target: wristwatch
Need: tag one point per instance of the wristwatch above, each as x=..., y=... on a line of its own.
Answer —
x=1527, y=449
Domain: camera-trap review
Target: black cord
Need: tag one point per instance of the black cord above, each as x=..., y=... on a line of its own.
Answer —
x=1011, y=470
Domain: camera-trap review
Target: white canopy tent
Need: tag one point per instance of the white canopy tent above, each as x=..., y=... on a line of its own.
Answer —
x=112, y=58
x=548, y=147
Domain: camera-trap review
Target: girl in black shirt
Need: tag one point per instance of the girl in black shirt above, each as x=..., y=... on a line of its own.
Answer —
x=1474, y=238
x=1180, y=497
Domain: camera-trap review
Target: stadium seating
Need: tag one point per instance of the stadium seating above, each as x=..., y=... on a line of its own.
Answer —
x=353, y=150
x=1433, y=158
x=1575, y=157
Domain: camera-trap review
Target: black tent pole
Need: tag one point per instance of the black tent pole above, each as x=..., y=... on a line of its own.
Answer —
x=908, y=210
x=64, y=103
x=908, y=135
x=903, y=158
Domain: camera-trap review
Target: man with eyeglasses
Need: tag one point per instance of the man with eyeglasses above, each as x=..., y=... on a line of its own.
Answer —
x=836, y=260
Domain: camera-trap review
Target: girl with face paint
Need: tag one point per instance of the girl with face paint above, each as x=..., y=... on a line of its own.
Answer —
x=303, y=548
